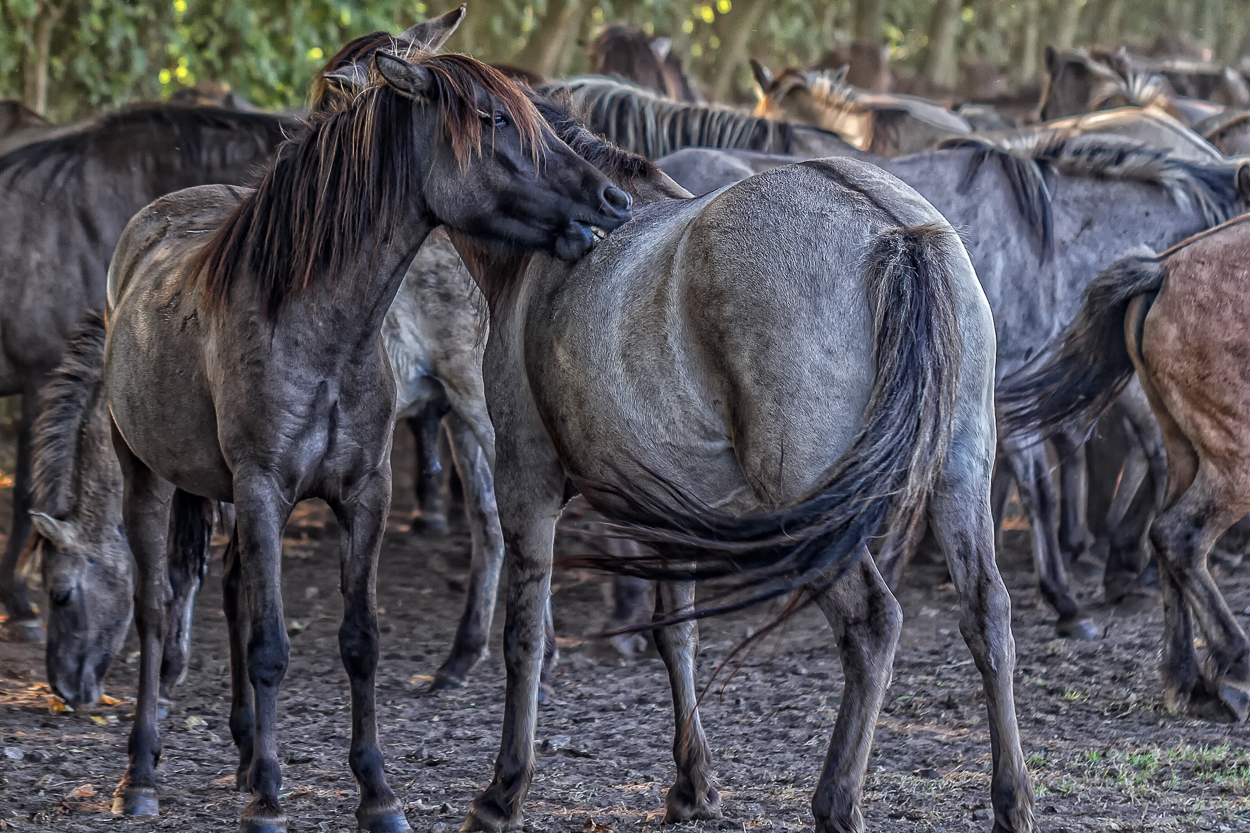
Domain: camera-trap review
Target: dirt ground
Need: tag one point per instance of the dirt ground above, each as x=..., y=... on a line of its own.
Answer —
x=1105, y=754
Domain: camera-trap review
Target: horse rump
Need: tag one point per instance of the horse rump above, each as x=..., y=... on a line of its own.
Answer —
x=1084, y=372
x=887, y=472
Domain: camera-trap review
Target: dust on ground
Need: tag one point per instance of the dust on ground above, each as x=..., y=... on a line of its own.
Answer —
x=1105, y=753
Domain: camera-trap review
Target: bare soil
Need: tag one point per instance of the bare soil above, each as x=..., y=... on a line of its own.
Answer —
x=1105, y=753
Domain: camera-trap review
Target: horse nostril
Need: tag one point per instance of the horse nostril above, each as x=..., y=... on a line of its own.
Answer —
x=616, y=198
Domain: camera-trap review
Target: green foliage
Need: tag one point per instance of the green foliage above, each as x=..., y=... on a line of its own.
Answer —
x=106, y=52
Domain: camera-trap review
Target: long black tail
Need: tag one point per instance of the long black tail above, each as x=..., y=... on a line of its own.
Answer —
x=891, y=465
x=1089, y=365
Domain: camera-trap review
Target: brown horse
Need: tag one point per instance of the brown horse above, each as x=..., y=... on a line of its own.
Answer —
x=1178, y=320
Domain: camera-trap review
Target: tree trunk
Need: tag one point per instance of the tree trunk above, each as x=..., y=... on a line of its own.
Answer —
x=940, y=64
x=546, y=43
x=1106, y=28
x=1026, y=66
x=740, y=23
x=1064, y=17
x=869, y=21
x=35, y=64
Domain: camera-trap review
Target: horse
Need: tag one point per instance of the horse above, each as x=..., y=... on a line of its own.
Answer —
x=1014, y=202
x=243, y=363
x=1174, y=321
x=652, y=125
x=888, y=124
x=753, y=397
x=67, y=199
x=20, y=125
x=629, y=53
x=1229, y=131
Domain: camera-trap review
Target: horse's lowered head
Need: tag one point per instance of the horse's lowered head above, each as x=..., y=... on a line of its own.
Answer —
x=78, y=544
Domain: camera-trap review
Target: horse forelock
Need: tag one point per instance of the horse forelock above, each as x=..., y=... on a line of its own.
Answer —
x=346, y=181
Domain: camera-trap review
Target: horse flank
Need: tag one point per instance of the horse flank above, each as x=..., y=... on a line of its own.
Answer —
x=343, y=184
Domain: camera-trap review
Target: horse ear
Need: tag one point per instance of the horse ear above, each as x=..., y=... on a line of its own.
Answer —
x=1052, y=60
x=431, y=34
x=661, y=47
x=61, y=533
x=349, y=78
x=413, y=80
x=763, y=76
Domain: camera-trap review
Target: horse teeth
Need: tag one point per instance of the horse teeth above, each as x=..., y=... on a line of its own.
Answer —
x=599, y=234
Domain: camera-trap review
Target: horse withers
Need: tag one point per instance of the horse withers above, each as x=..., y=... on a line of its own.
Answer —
x=243, y=362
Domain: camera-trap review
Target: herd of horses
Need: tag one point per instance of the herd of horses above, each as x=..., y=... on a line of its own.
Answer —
x=778, y=350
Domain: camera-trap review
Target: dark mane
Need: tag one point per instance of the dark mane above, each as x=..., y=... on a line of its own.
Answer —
x=169, y=138
x=66, y=403
x=1211, y=190
x=344, y=184
x=14, y=115
x=654, y=126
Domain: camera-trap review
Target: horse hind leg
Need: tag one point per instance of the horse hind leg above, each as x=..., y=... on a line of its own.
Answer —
x=1038, y=495
x=146, y=517
x=190, y=533
x=238, y=627
x=1183, y=536
x=693, y=794
x=429, y=476
x=473, y=633
x=866, y=621
x=961, y=520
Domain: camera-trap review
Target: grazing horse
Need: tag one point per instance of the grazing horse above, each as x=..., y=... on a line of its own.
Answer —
x=630, y=53
x=753, y=394
x=888, y=124
x=66, y=200
x=1177, y=321
x=1014, y=204
x=244, y=363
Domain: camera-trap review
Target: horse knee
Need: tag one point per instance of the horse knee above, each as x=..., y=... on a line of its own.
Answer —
x=358, y=644
x=268, y=654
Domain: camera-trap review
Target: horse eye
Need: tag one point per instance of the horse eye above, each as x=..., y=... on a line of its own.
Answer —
x=501, y=120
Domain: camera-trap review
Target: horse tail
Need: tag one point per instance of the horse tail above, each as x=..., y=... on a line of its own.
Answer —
x=887, y=472
x=1090, y=364
x=191, y=520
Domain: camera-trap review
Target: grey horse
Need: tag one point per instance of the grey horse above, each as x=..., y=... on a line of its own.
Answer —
x=750, y=391
x=1038, y=229
x=253, y=372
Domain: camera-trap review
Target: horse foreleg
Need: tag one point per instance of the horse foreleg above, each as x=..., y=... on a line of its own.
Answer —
x=363, y=522
x=529, y=503
x=1038, y=495
x=146, y=517
x=261, y=512
x=1073, y=492
x=429, y=476
x=191, y=532
x=693, y=794
x=962, y=524
x=473, y=633
x=238, y=627
x=23, y=618
x=866, y=621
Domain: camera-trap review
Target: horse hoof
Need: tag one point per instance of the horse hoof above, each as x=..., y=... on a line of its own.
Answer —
x=1083, y=628
x=430, y=524
x=393, y=822
x=136, y=801
x=487, y=814
x=546, y=694
x=443, y=682
x=683, y=805
x=22, y=630
x=255, y=825
x=1236, y=696
x=1140, y=601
